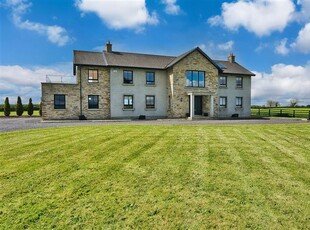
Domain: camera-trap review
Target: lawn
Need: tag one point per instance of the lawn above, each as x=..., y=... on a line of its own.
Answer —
x=156, y=177
x=25, y=114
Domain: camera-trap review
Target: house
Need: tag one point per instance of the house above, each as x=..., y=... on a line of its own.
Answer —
x=113, y=84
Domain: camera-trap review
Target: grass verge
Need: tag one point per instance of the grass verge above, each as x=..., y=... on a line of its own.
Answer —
x=164, y=177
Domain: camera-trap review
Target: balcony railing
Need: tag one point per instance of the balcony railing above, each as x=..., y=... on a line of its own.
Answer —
x=65, y=79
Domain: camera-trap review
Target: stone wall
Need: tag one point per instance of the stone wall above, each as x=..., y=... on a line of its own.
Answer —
x=178, y=91
x=72, y=97
x=100, y=88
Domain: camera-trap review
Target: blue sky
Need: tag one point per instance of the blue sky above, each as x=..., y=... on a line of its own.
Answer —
x=268, y=37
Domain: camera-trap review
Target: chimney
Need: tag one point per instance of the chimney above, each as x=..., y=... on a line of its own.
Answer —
x=108, y=47
x=231, y=58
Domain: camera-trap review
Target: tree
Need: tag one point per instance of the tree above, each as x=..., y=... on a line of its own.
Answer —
x=7, y=107
x=40, y=109
x=271, y=103
x=30, y=107
x=19, y=107
x=294, y=102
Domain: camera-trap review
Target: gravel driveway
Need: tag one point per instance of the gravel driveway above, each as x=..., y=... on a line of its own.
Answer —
x=22, y=123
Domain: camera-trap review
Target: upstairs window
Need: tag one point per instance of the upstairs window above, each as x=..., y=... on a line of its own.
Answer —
x=127, y=77
x=150, y=78
x=195, y=78
x=239, y=101
x=223, y=81
x=92, y=75
x=239, y=82
x=150, y=102
x=93, y=102
x=59, y=101
x=128, y=101
x=223, y=102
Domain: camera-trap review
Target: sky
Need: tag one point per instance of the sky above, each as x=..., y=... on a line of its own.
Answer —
x=269, y=37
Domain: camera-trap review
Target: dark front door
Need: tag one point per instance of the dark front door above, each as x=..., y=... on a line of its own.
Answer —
x=198, y=105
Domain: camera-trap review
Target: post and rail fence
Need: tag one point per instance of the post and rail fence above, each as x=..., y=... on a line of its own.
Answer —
x=281, y=112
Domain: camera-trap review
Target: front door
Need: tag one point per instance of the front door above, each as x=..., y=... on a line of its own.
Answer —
x=198, y=105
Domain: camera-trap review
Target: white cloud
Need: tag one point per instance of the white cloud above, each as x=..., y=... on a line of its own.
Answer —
x=281, y=47
x=304, y=13
x=227, y=46
x=282, y=84
x=21, y=81
x=302, y=42
x=119, y=14
x=217, y=51
x=55, y=34
x=171, y=7
x=258, y=16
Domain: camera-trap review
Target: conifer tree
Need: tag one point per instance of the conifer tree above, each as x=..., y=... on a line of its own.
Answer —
x=19, y=107
x=7, y=107
x=30, y=107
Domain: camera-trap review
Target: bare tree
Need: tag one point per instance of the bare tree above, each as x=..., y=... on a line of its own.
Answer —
x=271, y=103
x=294, y=102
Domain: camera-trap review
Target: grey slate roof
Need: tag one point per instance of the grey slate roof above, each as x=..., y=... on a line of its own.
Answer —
x=233, y=68
x=147, y=61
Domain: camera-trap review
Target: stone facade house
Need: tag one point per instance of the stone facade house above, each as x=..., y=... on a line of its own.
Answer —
x=113, y=84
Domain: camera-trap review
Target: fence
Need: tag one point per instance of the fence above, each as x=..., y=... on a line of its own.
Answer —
x=281, y=112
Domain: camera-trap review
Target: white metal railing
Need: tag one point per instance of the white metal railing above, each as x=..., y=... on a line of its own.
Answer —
x=66, y=79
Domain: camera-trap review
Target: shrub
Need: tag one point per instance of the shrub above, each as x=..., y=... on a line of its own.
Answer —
x=30, y=107
x=7, y=107
x=19, y=107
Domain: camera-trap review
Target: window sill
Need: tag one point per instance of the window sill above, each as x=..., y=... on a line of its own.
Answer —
x=60, y=109
x=124, y=84
x=239, y=87
x=223, y=86
x=97, y=109
x=133, y=109
x=150, y=85
x=153, y=109
x=92, y=82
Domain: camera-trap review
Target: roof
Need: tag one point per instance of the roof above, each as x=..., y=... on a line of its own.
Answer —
x=148, y=61
x=233, y=68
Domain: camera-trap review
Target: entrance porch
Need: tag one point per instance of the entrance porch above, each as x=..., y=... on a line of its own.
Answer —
x=200, y=103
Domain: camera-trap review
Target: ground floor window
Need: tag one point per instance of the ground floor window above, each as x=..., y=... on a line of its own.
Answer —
x=239, y=101
x=93, y=102
x=59, y=101
x=128, y=101
x=150, y=102
x=223, y=102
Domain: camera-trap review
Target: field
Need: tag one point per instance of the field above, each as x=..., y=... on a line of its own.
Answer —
x=156, y=177
x=281, y=112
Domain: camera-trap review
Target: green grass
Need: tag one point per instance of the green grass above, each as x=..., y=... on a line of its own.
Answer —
x=25, y=114
x=281, y=112
x=156, y=177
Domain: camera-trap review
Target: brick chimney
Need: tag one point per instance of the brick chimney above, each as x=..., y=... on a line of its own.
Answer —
x=108, y=47
x=231, y=58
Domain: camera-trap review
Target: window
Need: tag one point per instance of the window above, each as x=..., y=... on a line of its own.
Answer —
x=195, y=78
x=223, y=102
x=59, y=101
x=223, y=81
x=150, y=102
x=92, y=75
x=93, y=102
x=239, y=82
x=150, y=78
x=128, y=77
x=239, y=102
x=128, y=102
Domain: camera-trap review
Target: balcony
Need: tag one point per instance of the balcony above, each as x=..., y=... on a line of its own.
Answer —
x=63, y=79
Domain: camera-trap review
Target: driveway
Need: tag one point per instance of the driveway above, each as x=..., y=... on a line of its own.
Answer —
x=23, y=123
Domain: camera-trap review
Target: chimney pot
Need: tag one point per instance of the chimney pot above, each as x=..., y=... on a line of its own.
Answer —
x=108, y=47
x=231, y=58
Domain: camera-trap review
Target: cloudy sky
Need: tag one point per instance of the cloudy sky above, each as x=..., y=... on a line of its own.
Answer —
x=269, y=37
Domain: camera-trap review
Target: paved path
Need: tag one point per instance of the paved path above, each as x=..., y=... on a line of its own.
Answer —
x=23, y=123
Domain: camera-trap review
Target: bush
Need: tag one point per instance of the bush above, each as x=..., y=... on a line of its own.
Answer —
x=19, y=107
x=7, y=107
x=30, y=107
